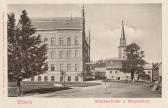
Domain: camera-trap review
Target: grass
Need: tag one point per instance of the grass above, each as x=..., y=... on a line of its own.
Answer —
x=41, y=89
x=46, y=87
x=67, y=84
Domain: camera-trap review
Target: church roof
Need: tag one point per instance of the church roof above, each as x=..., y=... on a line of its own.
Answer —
x=57, y=23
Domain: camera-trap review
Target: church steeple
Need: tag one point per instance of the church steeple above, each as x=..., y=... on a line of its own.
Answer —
x=122, y=47
x=122, y=39
x=83, y=19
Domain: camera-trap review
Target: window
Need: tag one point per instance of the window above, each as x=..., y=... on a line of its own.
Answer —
x=68, y=67
x=61, y=41
x=52, y=41
x=52, y=78
x=110, y=71
x=76, y=67
x=32, y=78
x=52, y=67
x=115, y=71
x=76, y=78
x=149, y=72
x=68, y=54
x=68, y=41
x=76, y=53
x=45, y=40
x=69, y=78
x=52, y=54
x=61, y=54
x=61, y=78
x=61, y=67
x=76, y=41
x=39, y=78
x=45, y=78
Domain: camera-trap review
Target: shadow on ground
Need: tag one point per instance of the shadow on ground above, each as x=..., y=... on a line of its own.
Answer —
x=45, y=90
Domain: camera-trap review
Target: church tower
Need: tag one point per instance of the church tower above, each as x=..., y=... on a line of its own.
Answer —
x=122, y=47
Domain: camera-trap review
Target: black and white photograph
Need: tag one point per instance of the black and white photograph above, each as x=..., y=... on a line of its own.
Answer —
x=84, y=50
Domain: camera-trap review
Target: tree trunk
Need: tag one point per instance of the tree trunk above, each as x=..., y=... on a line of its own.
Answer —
x=19, y=86
x=132, y=75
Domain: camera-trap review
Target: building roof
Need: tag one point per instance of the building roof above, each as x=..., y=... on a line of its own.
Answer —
x=148, y=66
x=97, y=69
x=114, y=65
x=57, y=23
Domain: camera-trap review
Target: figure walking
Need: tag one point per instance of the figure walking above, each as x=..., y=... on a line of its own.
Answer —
x=105, y=88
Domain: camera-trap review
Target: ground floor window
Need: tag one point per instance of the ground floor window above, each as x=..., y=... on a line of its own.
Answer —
x=39, y=78
x=76, y=78
x=45, y=78
x=52, y=78
x=69, y=78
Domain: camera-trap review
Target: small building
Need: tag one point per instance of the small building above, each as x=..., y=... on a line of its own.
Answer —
x=147, y=74
x=114, y=70
x=157, y=72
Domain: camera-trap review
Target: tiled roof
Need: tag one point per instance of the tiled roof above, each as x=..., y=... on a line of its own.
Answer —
x=114, y=65
x=57, y=23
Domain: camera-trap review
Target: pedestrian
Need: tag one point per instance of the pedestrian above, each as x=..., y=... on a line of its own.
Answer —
x=105, y=88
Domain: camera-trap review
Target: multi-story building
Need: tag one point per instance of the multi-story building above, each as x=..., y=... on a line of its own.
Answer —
x=68, y=49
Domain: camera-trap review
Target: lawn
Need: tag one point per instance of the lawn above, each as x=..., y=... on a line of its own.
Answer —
x=46, y=87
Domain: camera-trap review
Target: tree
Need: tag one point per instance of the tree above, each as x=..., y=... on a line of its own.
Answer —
x=26, y=53
x=134, y=62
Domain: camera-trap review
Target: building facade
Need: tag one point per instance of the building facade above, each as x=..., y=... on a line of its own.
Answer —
x=68, y=49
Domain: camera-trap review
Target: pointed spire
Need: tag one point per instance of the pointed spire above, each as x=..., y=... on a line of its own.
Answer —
x=122, y=39
x=122, y=31
x=89, y=45
x=83, y=11
x=83, y=21
x=89, y=37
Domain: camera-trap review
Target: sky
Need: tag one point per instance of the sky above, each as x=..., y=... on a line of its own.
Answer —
x=142, y=23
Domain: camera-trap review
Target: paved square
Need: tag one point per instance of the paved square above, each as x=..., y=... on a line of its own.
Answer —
x=114, y=90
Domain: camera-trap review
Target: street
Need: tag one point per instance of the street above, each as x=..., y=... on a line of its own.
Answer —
x=114, y=90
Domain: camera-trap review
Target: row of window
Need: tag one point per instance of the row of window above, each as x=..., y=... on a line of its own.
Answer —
x=61, y=54
x=69, y=67
x=61, y=41
x=117, y=71
x=112, y=71
x=53, y=78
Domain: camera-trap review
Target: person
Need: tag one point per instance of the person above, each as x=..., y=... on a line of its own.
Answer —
x=105, y=88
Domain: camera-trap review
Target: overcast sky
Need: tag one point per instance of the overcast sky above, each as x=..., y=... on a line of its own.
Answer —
x=142, y=25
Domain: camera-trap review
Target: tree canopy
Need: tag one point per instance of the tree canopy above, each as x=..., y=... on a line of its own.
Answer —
x=135, y=59
x=26, y=51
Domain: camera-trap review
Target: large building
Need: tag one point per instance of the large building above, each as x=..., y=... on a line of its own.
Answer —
x=68, y=48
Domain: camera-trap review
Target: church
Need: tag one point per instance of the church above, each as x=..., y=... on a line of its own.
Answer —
x=114, y=65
